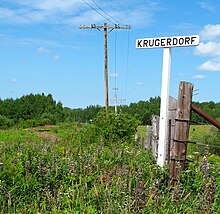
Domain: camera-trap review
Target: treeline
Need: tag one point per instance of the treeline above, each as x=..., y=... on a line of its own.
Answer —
x=30, y=110
x=142, y=111
x=33, y=110
x=211, y=108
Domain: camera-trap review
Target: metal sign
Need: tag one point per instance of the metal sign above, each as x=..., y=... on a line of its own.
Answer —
x=168, y=42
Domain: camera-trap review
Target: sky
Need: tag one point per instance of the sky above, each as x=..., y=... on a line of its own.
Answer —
x=43, y=50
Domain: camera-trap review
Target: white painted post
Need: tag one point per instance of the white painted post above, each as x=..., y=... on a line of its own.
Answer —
x=166, y=43
x=165, y=90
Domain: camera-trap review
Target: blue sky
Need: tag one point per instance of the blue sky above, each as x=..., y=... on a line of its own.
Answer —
x=44, y=51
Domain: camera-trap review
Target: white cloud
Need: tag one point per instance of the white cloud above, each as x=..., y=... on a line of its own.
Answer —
x=211, y=65
x=138, y=85
x=43, y=50
x=114, y=74
x=208, y=49
x=206, y=6
x=198, y=76
x=57, y=5
x=56, y=57
x=210, y=32
x=46, y=51
x=75, y=12
x=14, y=80
x=11, y=16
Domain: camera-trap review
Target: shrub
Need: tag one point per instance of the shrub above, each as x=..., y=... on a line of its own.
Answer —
x=114, y=128
x=34, y=123
x=5, y=122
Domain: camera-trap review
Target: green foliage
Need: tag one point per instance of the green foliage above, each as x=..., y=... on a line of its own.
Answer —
x=72, y=176
x=211, y=108
x=143, y=110
x=32, y=108
x=208, y=138
x=34, y=123
x=116, y=128
x=5, y=122
x=80, y=174
x=82, y=115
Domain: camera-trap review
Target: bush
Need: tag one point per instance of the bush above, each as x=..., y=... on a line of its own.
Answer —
x=116, y=128
x=5, y=122
x=34, y=123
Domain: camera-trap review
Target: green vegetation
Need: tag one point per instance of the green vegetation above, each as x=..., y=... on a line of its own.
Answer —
x=207, y=138
x=29, y=111
x=82, y=173
x=34, y=110
x=115, y=128
x=59, y=160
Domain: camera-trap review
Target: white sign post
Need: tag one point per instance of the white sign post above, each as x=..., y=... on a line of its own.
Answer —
x=166, y=43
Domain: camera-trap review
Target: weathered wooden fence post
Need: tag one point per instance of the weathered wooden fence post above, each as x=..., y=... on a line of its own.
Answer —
x=148, y=144
x=155, y=135
x=152, y=134
x=169, y=141
x=172, y=112
x=181, y=132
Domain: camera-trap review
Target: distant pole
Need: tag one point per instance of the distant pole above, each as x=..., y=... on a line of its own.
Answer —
x=115, y=99
x=105, y=28
x=165, y=90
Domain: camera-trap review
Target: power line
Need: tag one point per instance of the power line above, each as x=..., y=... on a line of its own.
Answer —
x=106, y=12
x=116, y=27
x=115, y=58
x=127, y=65
x=107, y=29
x=97, y=11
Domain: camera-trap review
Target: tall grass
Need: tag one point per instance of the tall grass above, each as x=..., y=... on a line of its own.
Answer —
x=82, y=174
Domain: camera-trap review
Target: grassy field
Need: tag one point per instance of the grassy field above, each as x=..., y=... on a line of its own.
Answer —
x=65, y=169
x=196, y=131
x=202, y=134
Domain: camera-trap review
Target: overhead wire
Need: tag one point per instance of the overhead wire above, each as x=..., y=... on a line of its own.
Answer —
x=128, y=50
x=106, y=12
x=127, y=65
x=115, y=58
x=97, y=11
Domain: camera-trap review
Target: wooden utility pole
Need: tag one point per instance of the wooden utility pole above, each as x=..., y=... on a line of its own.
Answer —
x=105, y=28
x=181, y=132
x=106, y=65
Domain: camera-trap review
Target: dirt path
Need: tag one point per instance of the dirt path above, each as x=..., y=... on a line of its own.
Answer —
x=42, y=133
x=47, y=136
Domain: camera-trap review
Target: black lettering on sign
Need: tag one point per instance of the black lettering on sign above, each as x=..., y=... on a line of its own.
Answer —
x=139, y=43
x=151, y=42
x=193, y=39
x=168, y=41
x=175, y=41
x=187, y=40
x=145, y=43
x=157, y=42
x=181, y=41
x=162, y=42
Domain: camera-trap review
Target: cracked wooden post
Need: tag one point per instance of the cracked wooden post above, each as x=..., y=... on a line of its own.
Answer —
x=155, y=135
x=181, y=132
x=148, y=144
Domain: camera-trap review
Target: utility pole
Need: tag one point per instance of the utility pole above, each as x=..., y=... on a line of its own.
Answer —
x=116, y=100
x=106, y=29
